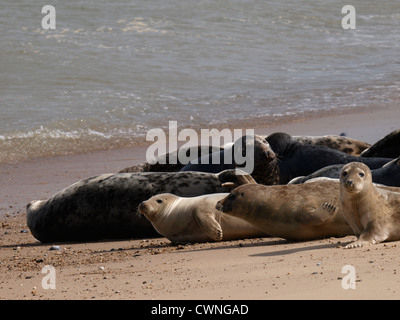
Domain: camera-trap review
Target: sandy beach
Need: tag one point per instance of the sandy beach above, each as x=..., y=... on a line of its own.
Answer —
x=259, y=269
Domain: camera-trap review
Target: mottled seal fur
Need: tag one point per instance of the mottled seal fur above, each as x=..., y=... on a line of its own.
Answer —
x=295, y=159
x=294, y=212
x=372, y=212
x=388, y=147
x=265, y=171
x=182, y=219
x=347, y=145
x=105, y=206
x=342, y=143
x=388, y=175
x=170, y=162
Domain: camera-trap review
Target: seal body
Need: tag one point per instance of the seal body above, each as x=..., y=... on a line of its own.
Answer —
x=347, y=145
x=105, y=206
x=170, y=162
x=264, y=164
x=388, y=147
x=388, y=175
x=295, y=159
x=294, y=212
x=195, y=219
x=372, y=212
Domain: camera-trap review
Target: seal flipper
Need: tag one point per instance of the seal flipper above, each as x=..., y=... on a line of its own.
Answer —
x=209, y=225
x=234, y=178
x=369, y=236
x=321, y=214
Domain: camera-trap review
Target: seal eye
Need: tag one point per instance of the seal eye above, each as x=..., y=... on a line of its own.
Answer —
x=345, y=174
x=362, y=174
x=159, y=201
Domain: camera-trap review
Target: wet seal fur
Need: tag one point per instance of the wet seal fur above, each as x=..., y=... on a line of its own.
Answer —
x=195, y=219
x=294, y=212
x=296, y=160
x=105, y=206
x=372, y=212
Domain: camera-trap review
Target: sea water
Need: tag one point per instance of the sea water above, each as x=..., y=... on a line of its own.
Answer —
x=112, y=70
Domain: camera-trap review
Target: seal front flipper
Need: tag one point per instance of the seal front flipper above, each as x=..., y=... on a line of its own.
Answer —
x=234, y=178
x=209, y=225
x=370, y=236
x=322, y=213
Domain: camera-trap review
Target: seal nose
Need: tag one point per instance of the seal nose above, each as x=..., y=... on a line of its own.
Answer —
x=350, y=183
x=142, y=207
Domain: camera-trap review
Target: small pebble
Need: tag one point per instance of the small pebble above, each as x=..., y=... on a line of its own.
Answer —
x=55, y=248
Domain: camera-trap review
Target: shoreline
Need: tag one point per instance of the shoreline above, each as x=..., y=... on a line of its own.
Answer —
x=267, y=268
x=262, y=125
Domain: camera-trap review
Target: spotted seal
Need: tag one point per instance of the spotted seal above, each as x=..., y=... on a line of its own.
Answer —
x=347, y=145
x=183, y=219
x=342, y=143
x=372, y=212
x=170, y=162
x=105, y=206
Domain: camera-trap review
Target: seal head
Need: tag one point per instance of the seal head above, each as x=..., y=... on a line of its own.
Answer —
x=353, y=178
x=157, y=207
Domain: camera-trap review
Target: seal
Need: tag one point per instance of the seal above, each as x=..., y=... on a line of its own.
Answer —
x=293, y=212
x=332, y=172
x=195, y=219
x=170, y=162
x=372, y=212
x=342, y=143
x=388, y=147
x=265, y=165
x=347, y=145
x=296, y=160
x=388, y=175
x=105, y=206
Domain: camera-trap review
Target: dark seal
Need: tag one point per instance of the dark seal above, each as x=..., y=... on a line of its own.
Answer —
x=265, y=169
x=388, y=147
x=296, y=160
x=388, y=175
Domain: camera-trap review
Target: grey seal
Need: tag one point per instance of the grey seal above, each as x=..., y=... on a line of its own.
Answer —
x=105, y=206
x=372, y=212
x=195, y=219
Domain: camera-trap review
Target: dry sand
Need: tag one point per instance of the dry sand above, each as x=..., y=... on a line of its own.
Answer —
x=267, y=268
